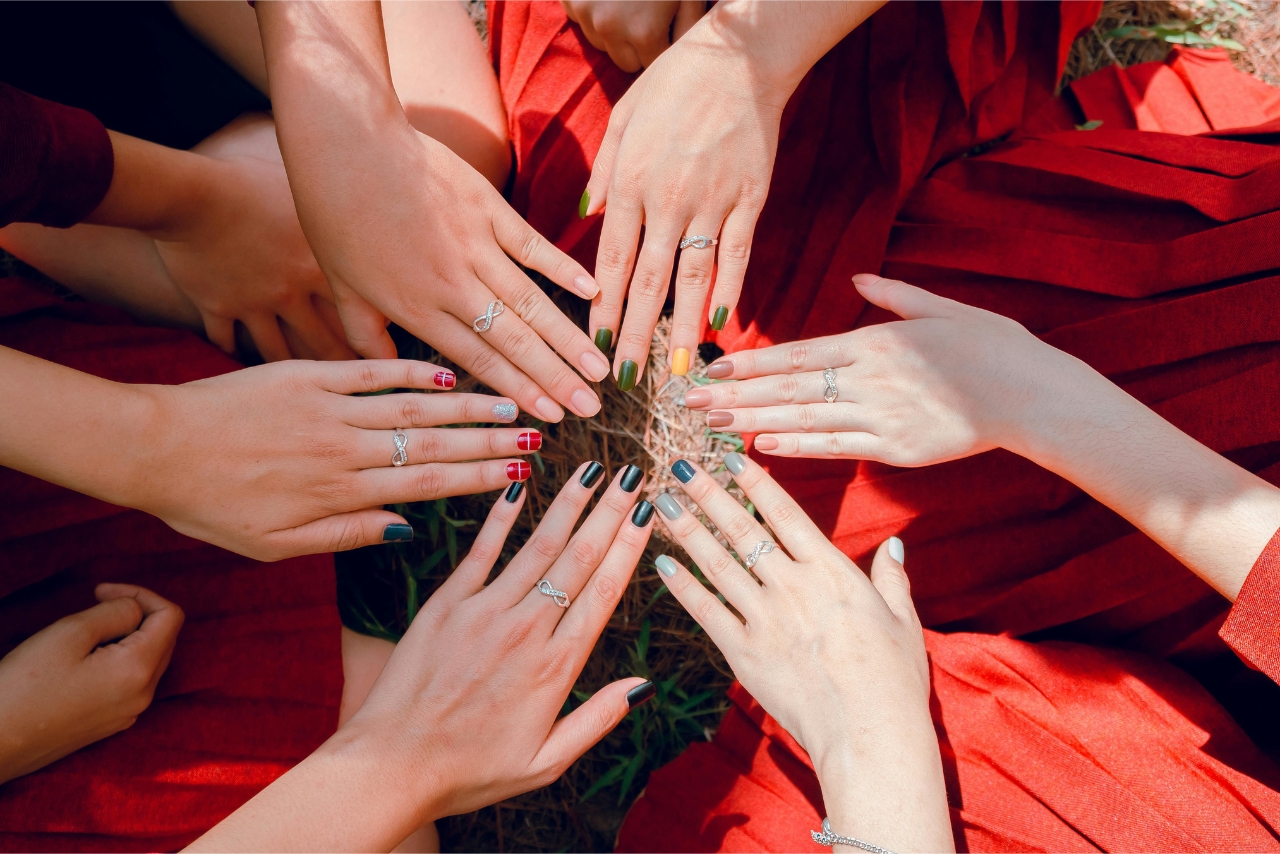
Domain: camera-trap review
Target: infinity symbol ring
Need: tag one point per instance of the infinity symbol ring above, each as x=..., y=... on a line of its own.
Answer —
x=559, y=596
x=832, y=392
x=482, y=323
x=762, y=548
x=401, y=456
x=697, y=241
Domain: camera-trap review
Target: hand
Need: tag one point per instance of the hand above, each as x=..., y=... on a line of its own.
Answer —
x=465, y=711
x=634, y=34
x=837, y=659
x=948, y=382
x=83, y=678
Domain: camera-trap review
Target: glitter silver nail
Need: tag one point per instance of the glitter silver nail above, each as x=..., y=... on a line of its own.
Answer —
x=505, y=412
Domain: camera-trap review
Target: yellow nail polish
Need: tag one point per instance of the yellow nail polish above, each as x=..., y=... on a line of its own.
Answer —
x=680, y=361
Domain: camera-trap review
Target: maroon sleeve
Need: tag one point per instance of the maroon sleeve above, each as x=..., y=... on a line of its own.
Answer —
x=1252, y=628
x=55, y=161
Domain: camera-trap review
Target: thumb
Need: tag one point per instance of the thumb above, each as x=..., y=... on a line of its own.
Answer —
x=890, y=579
x=578, y=731
x=906, y=301
x=105, y=622
x=339, y=533
x=593, y=198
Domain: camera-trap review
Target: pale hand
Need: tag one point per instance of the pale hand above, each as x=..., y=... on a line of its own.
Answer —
x=634, y=34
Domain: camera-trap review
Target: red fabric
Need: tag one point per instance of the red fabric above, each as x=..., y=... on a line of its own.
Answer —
x=1252, y=628
x=256, y=675
x=55, y=162
x=1153, y=763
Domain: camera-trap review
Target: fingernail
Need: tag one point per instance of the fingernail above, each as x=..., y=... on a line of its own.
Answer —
x=696, y=398
x=735, y=462
x=584, y=402
x=594, y=365
x=627, y=375
x=513, y=492
x=680, y=400
x=530, y=440
x=766, y=443
x=586, y=286
x=640, y=694
x=630, y=479
x=720, y=370
x=591, y=476
x=397, y=532
x=897, y=551
x=505, y=412
x=680, y=361
x=665, y=565
x=518, y=471
x=604, y=339
x=669, y=506
x=583, y=203
x=643, y=513
x=719, y=419
x=446, y=379
x=683, y=471
x=718, y=319
x=548, y=409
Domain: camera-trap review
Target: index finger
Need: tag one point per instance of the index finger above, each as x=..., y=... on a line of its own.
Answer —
x=530, y=249
x=161, y=621
x=814, y=354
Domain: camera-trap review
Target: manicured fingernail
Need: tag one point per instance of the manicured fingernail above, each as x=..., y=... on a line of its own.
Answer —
x=446, y=379
x=583, y=203
x=594, y=365
x=548, y=409
x=513, y=492
x=720, y=370
x=584, y=403
x=669, y=506
x=397, y=532
x=719, y=419
x=604, y=339
x=505, y=412
x=680, y=400
x=518, y=471
x=683, y=471
x=680, y=361
x=586, y=286
x=592, y=475
x=766, y=443
x=643, y=513
x=530, y=440
x=896, y=550
x=735, y=462
x=640, y=694
x=696, y=398
x=665, y=565
x=627, y=375
x=718, y=319
x=630, y=479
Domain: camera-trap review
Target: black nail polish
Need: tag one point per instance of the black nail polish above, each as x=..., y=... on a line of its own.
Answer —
x=592, y=475
x=513, y=492
x=397, y=533
x=640, y=694
x=630, y=479
x=643, y=513
x=683, y=471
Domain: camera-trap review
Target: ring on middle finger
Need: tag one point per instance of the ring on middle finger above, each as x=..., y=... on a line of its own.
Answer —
x=558, y=596
x=482, y=323
x=697, y=241
x=830, y=395
x=762, y=548
x=401, y=456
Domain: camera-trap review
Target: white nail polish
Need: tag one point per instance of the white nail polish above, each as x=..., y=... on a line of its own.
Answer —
x=897, y=551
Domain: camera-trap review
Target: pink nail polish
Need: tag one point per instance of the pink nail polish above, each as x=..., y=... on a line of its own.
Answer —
x=716, y=420
x=586, y=286
x=720, y=370
x=766, y=443
x=696, y=398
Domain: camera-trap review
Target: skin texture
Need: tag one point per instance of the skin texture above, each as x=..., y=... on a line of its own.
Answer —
x=466, y=711
x=837, y=659
x=634, y=34
x=951, y=380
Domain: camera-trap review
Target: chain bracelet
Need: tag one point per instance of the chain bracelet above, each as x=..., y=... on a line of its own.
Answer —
x=829, y=838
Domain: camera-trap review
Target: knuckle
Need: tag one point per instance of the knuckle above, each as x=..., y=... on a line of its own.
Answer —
x=836, y=446
x=349, y=536
x=788, y=389
x=518, y=343
x=495, y=443
x=735, y=251
x=806, y=417
x=531, y=244
x=738, y=528
x=483, y=361
x=584, y=553
x=528, y=304
x=431, y=481
x=704, y=610
x=649, y=285
x=411, y=410
x=545, y=548
x=693, y=277
x=720, y=566
x=368, y=376
x=633, y=342
x=797, y=355
x=605, y=591
x=431, y=445
x=613, y=259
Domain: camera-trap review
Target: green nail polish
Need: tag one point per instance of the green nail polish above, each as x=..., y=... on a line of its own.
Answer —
x=718, y=319
x=583, y=203
x=627, y=375
x=604, y=340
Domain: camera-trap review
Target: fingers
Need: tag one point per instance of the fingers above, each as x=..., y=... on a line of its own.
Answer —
x=429, y=481
x=688, y=14
x=366, y=327
x=310, y=328
x=221, y=332
x=104, y=623
x=693, y=282
x=890, y=580
x=578, y=731
x=647, y=292
x=716, y=620
x=413, y=409
x=796, y=418
x=814, y=354
x=533, y=251
x=158, y=632
x=822, y=446
x=450, y=445
x=619, y=238
x=380, y=374
x=732, y=256
x=906, y=301
x=264, y=329
x=739, y=527
x=469, y=577
x=340, y=532
x=774, y=390
x=794, y=528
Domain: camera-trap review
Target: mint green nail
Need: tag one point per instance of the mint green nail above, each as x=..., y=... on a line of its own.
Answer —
x=665, y=565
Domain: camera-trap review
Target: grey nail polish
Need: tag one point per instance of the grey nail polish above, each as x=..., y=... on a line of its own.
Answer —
x=591, y=475
x=665, y=565
x=505, y=412
x=735, y=462
x=643, y=513
x=640, y=694
x=397, y=533
x=630, y=479
x=669, y=506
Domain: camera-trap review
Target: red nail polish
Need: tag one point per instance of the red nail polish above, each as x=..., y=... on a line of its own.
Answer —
x=529, y=441
x=446, y=379
x=518, y=471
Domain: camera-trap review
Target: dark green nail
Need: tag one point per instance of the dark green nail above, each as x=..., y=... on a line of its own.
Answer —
x=640, y=694
x=627, y=375
x=397, y=533
x=718, y=319
x=583, y=203
x=604, y=340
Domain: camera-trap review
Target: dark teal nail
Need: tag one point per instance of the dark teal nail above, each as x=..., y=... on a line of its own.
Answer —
x=683, y=471
x=627, y=375
x=604, y=340
x=584, y=203
x=630, y=479
x=643, y=513
x=591, y=475
x=397, y=533
x=640, y=694
x=513, y=492
x=718, y=319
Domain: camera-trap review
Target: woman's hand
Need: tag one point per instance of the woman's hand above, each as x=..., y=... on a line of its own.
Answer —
x=634, y=34
x=83, y=678
x=466, y=711
x=837, y=659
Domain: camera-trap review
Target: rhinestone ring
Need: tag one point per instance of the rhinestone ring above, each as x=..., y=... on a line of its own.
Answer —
x=482, y=323
x=697, y=241
x=561, y=598
x=832, y=392
x=762, y=548
x=401, y=456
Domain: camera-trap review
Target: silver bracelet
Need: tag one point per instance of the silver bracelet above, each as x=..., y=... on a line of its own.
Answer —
x=828, y=838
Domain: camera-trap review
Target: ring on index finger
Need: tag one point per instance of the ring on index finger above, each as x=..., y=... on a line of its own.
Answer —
x=482, y=323
x=697, y=241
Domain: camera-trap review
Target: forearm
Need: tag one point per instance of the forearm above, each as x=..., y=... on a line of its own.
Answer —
x=154, y=189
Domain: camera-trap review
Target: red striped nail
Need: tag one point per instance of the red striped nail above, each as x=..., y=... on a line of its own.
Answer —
x=446, y=379
x=529, y=441
x=518, y=471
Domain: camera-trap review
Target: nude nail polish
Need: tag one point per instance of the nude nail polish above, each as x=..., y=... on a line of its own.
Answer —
x=518, y=471
x=718, y=319
x=592, y=475
x=766, y=443
x=548, y=409
x=586, y=286
x=512, y=495
x=716, y=420
x=505, y=412
x=679, y=361
x=594, y=365
x=696, y=398
x=720, y=370
x=665, y=565
x=669, y=506
x=530, y=440
x=584, y=403
x=446, y=379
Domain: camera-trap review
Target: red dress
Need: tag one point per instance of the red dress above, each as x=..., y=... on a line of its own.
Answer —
x=256, y=676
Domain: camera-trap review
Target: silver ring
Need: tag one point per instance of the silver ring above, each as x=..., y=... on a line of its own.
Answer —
x=697, y=241
x=832, y=392
x=559, y=596
x=401, y=456
x=762, y=548
x=482, y=323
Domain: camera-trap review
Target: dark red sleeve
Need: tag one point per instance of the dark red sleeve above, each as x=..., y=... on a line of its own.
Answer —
x=55, y=161
x=1252, y=628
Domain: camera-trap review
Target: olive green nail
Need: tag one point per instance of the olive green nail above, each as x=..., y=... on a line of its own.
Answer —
x=718, y=319
x=627, y=375
x=583, y=203
x=604, y=340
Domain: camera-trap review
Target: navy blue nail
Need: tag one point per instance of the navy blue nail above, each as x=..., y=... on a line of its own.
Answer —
x=683, y=471
x=591, y=475
x=640, y=694
x=643, y=513
x=397, y=533
x=631, y=477
x=513, y=492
